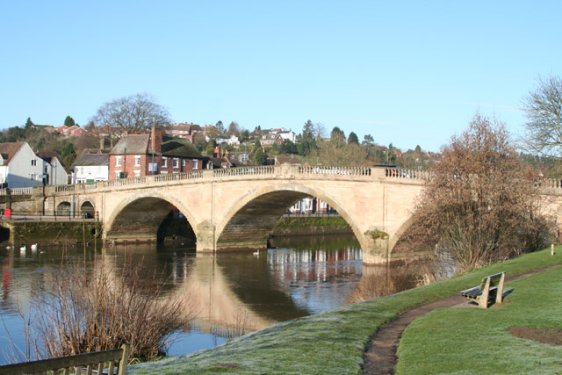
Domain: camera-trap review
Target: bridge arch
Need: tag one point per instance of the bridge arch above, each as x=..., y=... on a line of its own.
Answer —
x=64, y=208
x=248, y=222
x=87, y=209
x=139, y=217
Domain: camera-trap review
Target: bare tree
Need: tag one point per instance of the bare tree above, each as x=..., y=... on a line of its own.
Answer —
x=544, y=112
x=132, y=114
x=481, y=204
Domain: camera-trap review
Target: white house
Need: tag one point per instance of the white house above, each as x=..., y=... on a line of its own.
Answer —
x=53, y=170
x=19, y=166
x=91, y=166
x=309, y=205
x=232, y=141
x=290, y=135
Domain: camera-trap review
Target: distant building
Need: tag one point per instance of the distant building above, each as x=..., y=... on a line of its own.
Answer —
x=310, y=205
x=53, y=170
x=184, y=131
x=288, y=135
x=91, y=166
x=277, y=136
x=70, y=131
x=21, y=167
x=232, y=141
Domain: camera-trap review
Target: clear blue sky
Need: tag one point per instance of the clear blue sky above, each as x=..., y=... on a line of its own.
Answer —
x=406, y=72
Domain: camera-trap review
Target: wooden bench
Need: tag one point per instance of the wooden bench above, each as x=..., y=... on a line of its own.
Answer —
x=105, y=362
x=488, y=292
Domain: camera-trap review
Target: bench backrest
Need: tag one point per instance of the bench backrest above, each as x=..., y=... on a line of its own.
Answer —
x=494, y=280
x=74, y=364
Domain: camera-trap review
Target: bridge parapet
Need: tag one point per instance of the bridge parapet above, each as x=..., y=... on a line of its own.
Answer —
x=267, y=170
x=550, y=186
x=399, y=173
x=285, y=171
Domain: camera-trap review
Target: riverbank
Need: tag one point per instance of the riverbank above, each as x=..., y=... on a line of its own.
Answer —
x=335, y=342
x=49, y=233
x=310, y=225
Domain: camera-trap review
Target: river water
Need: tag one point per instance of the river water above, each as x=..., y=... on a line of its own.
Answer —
x=224, y=295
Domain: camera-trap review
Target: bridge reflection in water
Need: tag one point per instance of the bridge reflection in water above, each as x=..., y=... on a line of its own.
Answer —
x=232, y=293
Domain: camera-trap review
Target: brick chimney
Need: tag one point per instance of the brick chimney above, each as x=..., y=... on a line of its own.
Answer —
x=156, y=139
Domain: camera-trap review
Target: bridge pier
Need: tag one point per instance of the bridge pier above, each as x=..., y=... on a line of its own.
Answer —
x=376, y=251
x=205, y=235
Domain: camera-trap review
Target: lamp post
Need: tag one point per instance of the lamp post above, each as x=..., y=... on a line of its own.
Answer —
x=72, y=202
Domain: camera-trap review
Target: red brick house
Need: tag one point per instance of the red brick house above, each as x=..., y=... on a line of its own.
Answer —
x=178, y=157
x=139, y=155
x=135, y=155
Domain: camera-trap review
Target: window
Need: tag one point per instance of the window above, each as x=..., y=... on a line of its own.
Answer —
x=194, y=164
x=164, y=161
x=137, y=160
x=118, y=161
x=34, y=162
x=137, y=173
x=176, y=163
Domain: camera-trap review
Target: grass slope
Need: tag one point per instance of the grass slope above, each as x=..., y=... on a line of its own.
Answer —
x=332, y=342
x=478, y=341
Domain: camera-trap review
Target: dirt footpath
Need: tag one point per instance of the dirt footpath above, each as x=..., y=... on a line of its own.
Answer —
x=381, y=358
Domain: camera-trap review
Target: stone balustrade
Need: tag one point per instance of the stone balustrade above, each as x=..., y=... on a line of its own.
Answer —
x=548, y=186
x=17, y=191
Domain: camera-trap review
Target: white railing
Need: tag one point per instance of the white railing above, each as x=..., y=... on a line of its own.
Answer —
x=244, y=171
x=551, y=183
x=17, y=191
x=323, y=170
x=177, y=176
x=407, y=174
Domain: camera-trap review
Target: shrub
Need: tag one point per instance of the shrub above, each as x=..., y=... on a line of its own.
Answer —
x=93, y=310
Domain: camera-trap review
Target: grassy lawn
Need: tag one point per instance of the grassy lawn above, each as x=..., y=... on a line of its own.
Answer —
x=334, y=342
x=460, y=340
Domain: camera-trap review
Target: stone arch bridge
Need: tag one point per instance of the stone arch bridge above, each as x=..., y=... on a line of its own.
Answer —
x=237, y=208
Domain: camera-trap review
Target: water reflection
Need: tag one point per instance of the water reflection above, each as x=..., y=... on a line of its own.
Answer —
x=228, y=294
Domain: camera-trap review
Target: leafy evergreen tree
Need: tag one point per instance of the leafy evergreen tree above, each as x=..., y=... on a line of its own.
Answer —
x=220, y=128
x=307, y=140
x=69, y=121
x=288, y=147
x=308, y=130
x=368, y=140
x=28, y=123
x=259, y=157
x=353, y=139
x=68, y=154
x=337, y=137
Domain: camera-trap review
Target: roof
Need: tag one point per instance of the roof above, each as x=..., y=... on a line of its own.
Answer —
x=132, y=144
x=179, y=149
x=9, y=149
x=47, y=155
x=89, y=158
